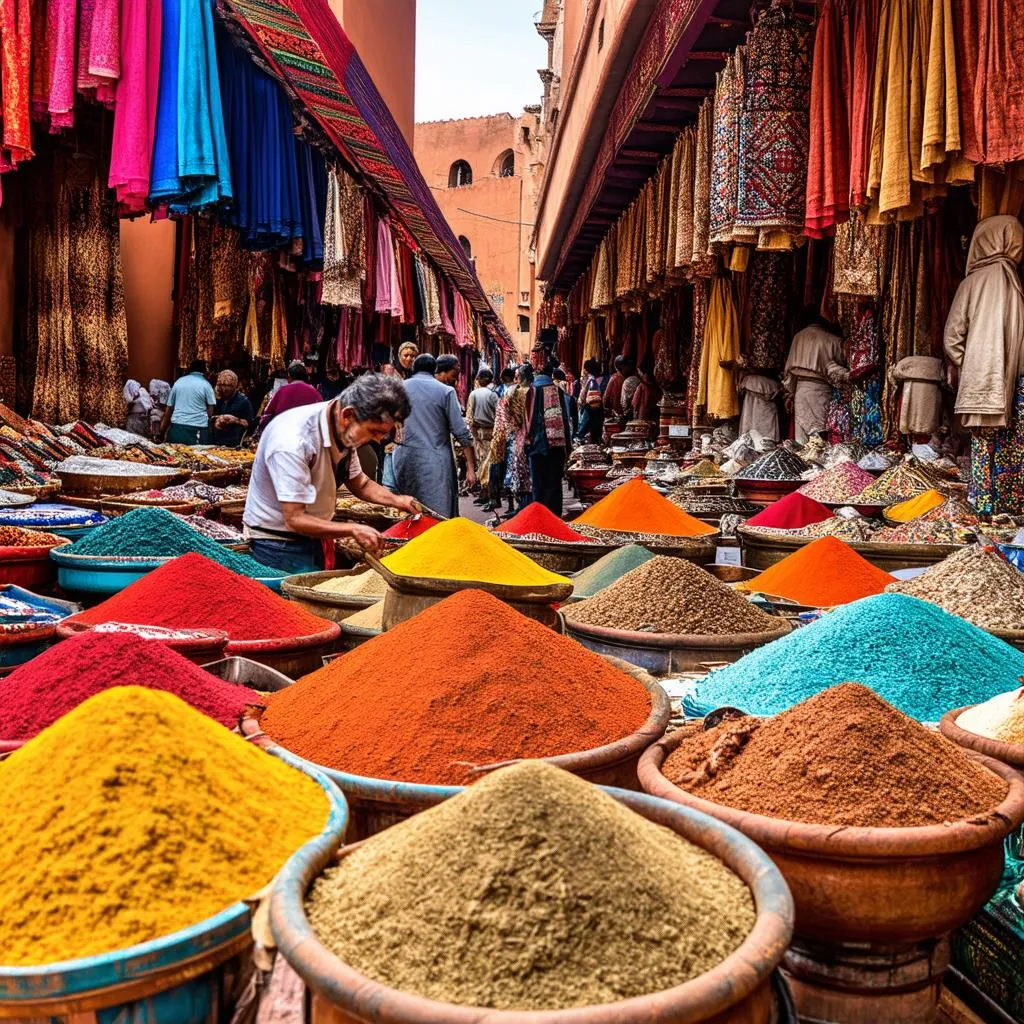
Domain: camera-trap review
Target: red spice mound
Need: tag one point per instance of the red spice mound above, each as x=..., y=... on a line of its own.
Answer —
x=826, y=572
x=539, y=519
x=843, y=757
x=35, y=695
x=406, y=529
x=791, y=512
x=425, y=702
x=191, y=592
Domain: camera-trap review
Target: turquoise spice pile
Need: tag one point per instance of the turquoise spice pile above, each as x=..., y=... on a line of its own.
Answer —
x=157, y=533
x=914, y=655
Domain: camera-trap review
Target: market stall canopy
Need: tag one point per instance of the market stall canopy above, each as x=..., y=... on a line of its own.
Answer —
x=673, y=70
x=302, y=44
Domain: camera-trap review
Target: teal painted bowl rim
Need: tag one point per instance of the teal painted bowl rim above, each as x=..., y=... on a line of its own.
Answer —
x=102, y=970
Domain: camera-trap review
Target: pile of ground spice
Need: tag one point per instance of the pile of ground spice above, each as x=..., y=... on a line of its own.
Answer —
x=544, y=893
x=1001, y=718
x=157, y=533
x=15, y=537
x=672, y=595
x=608, y=568
x=952, y=522
x=538, y=521
x=504, y=687
x=406, y=529
x=703, y=469
x=37, y=693
x=899, y=483
x=365, y=584
x=838, y=484
x=135, y=816
x=905, y=511
x=792, y=512
x=368, y=618
x=458, y=549
x=916, y=656
x=826, y=572
x=778, y=464
x=636, y=507
x=844, y=757
x=977, y=583
x=191, y=592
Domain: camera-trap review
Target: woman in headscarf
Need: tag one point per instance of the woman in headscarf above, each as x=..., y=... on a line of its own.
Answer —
x=159, y=392
x=985, y=341
x=402, y=366
x=139, y=407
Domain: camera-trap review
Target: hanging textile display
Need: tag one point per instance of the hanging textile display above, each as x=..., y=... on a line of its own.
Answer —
x=989, y=38
x=725, y=148
x=685, y=191
x=858, y=257
x=828, y=160
x=77, y=329
x=99, y=49
x=716, y=389
x=15, y=80
x=767, y=334
x=701, y=261
x=774, y=132
x=344, y=242
x=61, y=29
x=699, y=323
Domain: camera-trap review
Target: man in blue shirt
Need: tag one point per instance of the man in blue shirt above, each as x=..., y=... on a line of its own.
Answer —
x=190, y=408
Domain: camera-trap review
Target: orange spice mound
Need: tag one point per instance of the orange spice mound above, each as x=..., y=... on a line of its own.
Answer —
x=636, y=507
x=826, y=572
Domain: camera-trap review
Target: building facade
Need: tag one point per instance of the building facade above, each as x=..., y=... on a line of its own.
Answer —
x=484, y=172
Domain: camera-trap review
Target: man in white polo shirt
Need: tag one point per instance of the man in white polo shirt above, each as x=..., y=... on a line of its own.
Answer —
x=304, y=455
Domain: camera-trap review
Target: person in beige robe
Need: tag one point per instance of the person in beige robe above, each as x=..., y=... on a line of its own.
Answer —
x=760, y=409
x=813, y=367
x=921, y=408
x=985, y=328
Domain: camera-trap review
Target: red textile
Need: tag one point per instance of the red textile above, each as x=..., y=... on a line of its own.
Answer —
x=865, y=15
x=16, y=73
x=828, y=162
x=791, y=513
x=990, y=78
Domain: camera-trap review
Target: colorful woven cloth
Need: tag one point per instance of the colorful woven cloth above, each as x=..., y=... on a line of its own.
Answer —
x=774, y=131
x=303, y=44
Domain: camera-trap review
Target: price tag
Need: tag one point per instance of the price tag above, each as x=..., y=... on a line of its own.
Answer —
x=728, y=556
x=678, y=430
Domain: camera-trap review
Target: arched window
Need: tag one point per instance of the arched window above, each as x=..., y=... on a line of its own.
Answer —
x=466, y=247
x=460, y=174
x=505, y=165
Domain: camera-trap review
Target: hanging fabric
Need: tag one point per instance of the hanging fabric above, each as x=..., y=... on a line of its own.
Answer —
x=865, y=16
x=344, y=244
x=716, y=389
x=99, y=50
x=699, y=323
x=131, y=151
x=828, y=170
x=61, y=29
x=774, y=128
x=685, y=190
x=15, y=80
x=728, y=105
x=701, y=261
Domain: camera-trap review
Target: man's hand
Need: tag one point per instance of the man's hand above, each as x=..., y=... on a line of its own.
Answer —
x=367, y=538
x=406, y=503
x=470, y=477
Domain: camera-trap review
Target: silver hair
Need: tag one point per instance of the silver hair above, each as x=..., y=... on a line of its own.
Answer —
x=376, y=398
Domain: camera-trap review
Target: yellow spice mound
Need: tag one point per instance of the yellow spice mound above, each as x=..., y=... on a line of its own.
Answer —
x=135, y=816
x=459, y=549
x=906, y=511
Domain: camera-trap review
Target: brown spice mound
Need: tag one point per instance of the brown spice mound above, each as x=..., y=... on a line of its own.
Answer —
x=844, y=757
x=672, y=595
x=531, y=890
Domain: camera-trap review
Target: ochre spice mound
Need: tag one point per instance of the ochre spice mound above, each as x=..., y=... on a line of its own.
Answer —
x=191, y=592
x=844, y=757
x=135, y=816
x=468, y=682
x=532, y=890
x=826, y=572
x=636, y=507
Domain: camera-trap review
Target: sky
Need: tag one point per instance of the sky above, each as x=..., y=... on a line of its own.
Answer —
x=477, y=57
